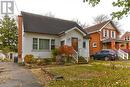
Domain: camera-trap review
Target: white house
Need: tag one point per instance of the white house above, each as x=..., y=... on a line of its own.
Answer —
x=38, y=35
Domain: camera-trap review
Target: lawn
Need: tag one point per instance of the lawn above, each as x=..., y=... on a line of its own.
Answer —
x=95, y=74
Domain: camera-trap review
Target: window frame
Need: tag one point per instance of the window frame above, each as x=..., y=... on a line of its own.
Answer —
x=113, y=34
x=38, y=48
x=52, y=44
x=84, y=44
x=35, y=44
x=44, y=43
x=94, y=44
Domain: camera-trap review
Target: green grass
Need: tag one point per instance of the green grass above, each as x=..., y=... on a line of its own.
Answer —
x=96, y=74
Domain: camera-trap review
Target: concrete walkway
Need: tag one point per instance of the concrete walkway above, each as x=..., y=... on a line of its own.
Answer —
x=12, y=75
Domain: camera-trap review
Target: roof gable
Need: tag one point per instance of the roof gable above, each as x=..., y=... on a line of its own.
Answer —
x=96, y=28
x=126, y=34
x=48, y=25
x=76, y=29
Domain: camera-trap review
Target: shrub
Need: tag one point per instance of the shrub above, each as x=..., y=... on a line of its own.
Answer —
x=55, y=52
x=66, y=50
x=29, y=59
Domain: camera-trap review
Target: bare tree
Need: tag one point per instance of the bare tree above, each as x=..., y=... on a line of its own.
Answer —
x=50, y=14
x=83, y=25
x=100, y=18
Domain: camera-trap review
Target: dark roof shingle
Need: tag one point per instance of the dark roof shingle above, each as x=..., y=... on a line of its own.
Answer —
x=95, y=27
x=48, y=25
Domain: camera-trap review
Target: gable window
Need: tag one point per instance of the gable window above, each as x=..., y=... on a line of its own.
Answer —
x=113, y=34
x=125, y=38
x=104, y=33
x=84, y=44
x=35, y=43
x=107, y=33
x=52, y=44
x=43, y=44
x=128, y=38
x=94, y=44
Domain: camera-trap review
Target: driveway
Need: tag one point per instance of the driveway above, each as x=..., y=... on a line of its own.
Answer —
x=12, y=75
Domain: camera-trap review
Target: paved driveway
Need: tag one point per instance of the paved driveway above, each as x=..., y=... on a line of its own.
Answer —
x=12, y=75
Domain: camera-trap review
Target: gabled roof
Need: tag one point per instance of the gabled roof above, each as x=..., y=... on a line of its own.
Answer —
x=125, y=35
x=99, y=27
x=47, y=25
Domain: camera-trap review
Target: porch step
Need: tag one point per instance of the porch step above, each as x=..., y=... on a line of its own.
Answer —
x=81, y=60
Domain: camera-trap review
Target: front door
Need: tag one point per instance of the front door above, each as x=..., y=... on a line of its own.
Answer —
x=75, y=43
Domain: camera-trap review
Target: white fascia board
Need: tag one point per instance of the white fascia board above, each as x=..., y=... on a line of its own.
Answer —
x=84, y=34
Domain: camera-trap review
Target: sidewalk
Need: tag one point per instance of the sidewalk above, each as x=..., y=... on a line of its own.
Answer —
x=12, y=75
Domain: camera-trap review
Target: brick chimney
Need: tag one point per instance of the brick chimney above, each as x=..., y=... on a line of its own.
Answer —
x=19, y=38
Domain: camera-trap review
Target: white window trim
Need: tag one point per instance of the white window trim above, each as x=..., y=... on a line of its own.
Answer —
x=108, y=33
x=38, y=44
x=104, y=32
x=94, y=44
x=112, y=35
x=50, y=44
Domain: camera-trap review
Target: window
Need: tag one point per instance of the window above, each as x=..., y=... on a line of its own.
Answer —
x=125, y=38
x=128, y=38
x=52, y=44
x=84, y=44
x=113, y=34
x=94, y=44
x=107, y=33
x=35, y=43
x=104, y=33
x=62, y=43
x=43, y=44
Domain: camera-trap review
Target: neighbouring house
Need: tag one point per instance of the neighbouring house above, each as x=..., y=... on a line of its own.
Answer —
x=38, y=35
x=126, y=44
x=126, y=36
x=103, y=36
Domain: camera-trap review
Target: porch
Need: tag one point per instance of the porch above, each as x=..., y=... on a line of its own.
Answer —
x=119, y=45
x=114, y=44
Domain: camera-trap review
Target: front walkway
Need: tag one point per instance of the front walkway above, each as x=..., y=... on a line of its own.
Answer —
x=12, y=75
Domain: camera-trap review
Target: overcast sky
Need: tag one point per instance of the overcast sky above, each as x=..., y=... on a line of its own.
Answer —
x=70, y=9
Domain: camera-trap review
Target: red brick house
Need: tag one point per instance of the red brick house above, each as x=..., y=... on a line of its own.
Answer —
x=126, y=43
x=126, y=36
x=103, y=36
